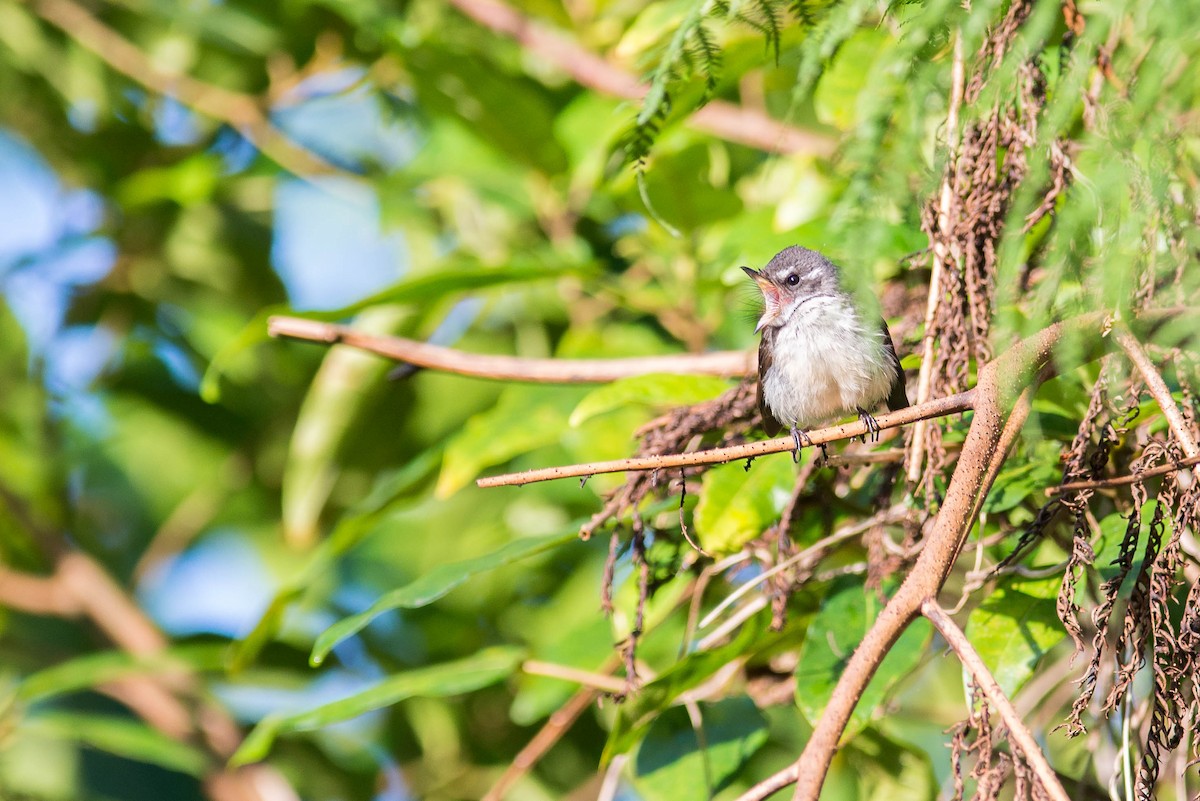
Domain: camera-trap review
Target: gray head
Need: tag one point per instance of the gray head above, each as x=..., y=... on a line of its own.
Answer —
x=793, y=276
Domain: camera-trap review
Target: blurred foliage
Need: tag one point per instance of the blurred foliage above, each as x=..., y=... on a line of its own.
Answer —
x=265, y=502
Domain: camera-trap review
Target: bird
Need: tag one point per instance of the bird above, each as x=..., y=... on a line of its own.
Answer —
x=822, y=356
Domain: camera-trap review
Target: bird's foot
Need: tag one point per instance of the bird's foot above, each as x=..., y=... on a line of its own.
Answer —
x=802, y=441
x=873, y=428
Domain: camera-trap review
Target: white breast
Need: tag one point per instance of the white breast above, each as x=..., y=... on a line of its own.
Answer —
x=826, y=363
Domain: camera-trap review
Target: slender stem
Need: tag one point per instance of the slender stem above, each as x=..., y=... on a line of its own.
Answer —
x=934, y=299
x=512, y=368
x=1121, y=481
x=728, y=121
x=935, y=408
x=244, y=112
x=1162, y=394
x=585, y=678
x=811, y=554
x=1017, y=732
x=555, y=727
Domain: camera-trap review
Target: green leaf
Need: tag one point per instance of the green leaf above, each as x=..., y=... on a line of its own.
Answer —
x=702, y=204
x=335, y=399
x=438, y=681
x=657, y=391
x=452, y=278
x=434, y=584
x=834, y=633
x=876, y=768
x=524, y=418
x=737, y=504
x=1021, y=479
x=90, y=670
x=836, y=97
x=190, y=181
x=673, y=762
x=1015, y=627
x=124, y=737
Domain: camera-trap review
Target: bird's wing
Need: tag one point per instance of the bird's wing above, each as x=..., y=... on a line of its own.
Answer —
x=769, y=423
x=897, y=397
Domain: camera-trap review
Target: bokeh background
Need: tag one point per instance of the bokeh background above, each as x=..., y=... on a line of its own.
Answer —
x=186, y=506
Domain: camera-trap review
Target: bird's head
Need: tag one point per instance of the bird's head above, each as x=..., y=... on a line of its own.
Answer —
x=795, y=274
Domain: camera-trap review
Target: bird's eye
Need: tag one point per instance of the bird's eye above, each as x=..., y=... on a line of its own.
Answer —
x=792, y=279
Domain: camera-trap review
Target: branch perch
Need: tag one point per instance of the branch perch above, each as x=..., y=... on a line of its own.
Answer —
x=1001, y=381
x=984, y=680
x=726, y=364
x=936, y=408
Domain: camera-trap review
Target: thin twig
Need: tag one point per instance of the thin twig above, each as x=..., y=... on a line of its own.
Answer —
x=1162, y=394
x=512, y=368
x=865, y=457
x=556, y=726
x=811, y=554
x=585, y=678
x=726, y=120
x=984, y=680
x=952, y=404
x=744, y=613
x=934, y=300
x=1121, y=481
x=241, y=111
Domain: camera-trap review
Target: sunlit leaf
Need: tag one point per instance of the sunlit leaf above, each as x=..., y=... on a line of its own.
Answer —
x=1014, y=628
x=656, y=391
x=737, y=504
x=836, y=96
x=332, y=403
x=1025, y=479
x=676, y=761
x=523, y=419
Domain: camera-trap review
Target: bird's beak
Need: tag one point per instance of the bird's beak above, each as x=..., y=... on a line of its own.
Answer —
x=770, y=294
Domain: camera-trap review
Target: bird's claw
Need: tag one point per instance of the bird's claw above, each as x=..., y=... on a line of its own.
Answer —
x=873, y=428
x=802, y=440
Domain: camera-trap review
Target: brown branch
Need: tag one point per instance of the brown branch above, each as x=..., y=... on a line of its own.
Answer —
x=36, y=595
x=239, y=110
x=555, y=727
x=1000, y=382
x=1123, y=481
x=1161, y=393
x=80, y=588
x=512, y=368
x=952, y=404
x=725, y=120
x=991, y=689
